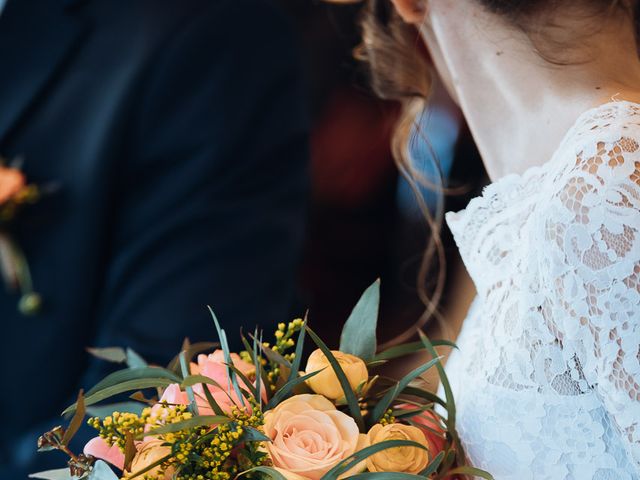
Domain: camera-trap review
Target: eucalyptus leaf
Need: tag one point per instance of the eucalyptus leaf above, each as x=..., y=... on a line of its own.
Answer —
x=132, y=374
x=359, y=332
x=134, y=360
x=121, y=388
x=109, y=354
x=59, y=474
x=102, y=411
x=101, y=471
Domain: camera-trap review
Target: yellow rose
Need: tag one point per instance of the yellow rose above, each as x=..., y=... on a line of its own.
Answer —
x=400, y=459
x=326, y=382
x=150, y=452
x=309, y=437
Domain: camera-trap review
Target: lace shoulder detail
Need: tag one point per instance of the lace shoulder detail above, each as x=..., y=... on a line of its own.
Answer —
x=589, y=226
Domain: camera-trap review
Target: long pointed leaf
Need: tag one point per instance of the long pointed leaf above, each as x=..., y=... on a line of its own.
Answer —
x=446, y=386
x=295, y=366
x=386, y=401
x=350, y=396
x=357, y=457
x=128, y=386
x=227, y=355
x=186, y=371
x=271, y=472
x=409, y=348
x=469, y=471
x=76, y=421
x=433, y=465
x=283, y=392
x=132, y=374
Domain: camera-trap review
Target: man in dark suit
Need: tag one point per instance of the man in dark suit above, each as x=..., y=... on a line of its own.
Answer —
x=175, y=133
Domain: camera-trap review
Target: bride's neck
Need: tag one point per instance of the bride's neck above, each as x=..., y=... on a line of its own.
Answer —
x=519, y=105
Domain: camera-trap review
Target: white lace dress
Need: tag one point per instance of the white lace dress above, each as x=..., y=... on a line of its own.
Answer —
x=547, y=378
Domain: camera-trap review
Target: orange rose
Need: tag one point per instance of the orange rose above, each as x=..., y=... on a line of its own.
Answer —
x=399, y=459
x=11, y=182
x=326, y=382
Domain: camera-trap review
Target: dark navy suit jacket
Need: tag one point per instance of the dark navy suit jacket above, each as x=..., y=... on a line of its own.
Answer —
x=176, y=134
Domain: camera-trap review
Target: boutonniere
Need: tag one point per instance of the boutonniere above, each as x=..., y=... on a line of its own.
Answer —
x=15, y=194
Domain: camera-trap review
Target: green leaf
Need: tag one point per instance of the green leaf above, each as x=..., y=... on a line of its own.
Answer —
x=186, y=371
x=349, y=395
x=433, y=465
x=446, y=386
x=102, y=411
x=295, y=366
x=134, y=360
x=59, y=474
x=121, y=388
x=199, y=421
x=470, y=471
x=283, y=392
x=252, y=435
x=109, y=354
x=147, y=468
x=386, y=401
x=76, y=421
x=271, y=472
x=420, y=393
x=211, y=401
x=385, y=476
x=191, y=351
x=409, y=348
x=247, y=383
x=133, y=374
x=359, y=332
x=227, y=355
x=357, y=457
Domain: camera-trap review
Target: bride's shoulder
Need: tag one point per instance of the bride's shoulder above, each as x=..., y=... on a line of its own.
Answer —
x=604, y=147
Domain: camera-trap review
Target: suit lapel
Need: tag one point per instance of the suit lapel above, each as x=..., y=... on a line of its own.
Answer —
x=36, y=37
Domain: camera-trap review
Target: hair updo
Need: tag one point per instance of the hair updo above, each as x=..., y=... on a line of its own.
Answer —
x=400, y=71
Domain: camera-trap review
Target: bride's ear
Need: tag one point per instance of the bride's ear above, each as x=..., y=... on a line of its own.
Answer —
x=411, y=11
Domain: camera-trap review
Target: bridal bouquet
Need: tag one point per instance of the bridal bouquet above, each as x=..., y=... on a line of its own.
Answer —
x=257, y=414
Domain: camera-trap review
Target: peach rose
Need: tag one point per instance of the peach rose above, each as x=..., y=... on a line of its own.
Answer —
x=309, y=437
x=326, y=382
x=97, y=447
x=400, y=459
x=11, y=182
x=150, y=452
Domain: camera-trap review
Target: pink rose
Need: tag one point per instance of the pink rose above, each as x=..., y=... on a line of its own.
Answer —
x=98, y=448
x=431, y=426
x=309, y=437
x=214, y=367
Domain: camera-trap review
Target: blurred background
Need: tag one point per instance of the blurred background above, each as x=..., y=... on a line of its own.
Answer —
x=364, y=220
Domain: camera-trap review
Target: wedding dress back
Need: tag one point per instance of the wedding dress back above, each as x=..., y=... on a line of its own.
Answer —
x=547, y=378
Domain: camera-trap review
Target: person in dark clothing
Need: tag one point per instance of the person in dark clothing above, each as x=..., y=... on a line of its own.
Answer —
x=176, y=135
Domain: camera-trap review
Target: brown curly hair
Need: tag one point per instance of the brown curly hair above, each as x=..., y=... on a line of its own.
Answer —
x=400, y=70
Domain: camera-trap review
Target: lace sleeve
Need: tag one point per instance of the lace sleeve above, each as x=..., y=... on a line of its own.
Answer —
x=592, y=275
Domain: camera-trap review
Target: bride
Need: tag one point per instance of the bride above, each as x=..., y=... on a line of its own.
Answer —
x=547, y=378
